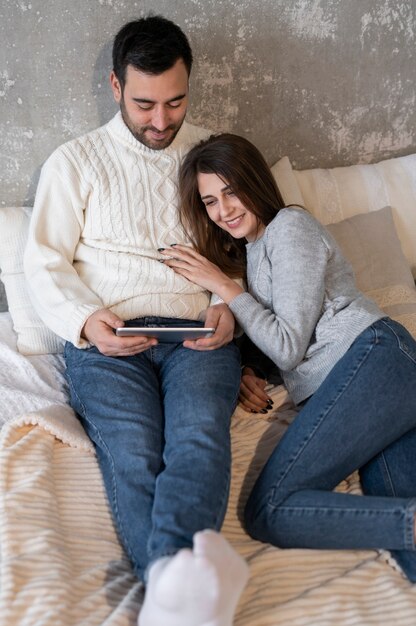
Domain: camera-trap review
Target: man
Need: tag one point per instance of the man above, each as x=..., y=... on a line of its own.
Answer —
x=158, y=413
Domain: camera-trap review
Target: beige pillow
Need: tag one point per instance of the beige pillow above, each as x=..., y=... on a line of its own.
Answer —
x=33, y=337
x=370, y=242
x=341, y=192
x=399, y=303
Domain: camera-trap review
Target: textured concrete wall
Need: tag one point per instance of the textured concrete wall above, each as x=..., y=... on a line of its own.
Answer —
x=327, y=82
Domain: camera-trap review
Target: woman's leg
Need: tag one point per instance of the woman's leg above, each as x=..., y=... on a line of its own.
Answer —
x=366, y=403
x=393, y=473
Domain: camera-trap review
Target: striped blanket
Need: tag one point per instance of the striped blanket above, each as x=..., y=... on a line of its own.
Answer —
x=62, y=564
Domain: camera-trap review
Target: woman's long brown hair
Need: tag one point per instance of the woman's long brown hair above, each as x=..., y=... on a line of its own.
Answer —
x=239, y=164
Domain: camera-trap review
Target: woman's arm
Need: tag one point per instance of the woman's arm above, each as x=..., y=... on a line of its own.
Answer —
x=298, y=258
x=289, y=289
x=196, y=268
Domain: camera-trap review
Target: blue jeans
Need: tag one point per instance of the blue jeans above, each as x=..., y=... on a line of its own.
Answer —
x=160, y=424
x=363, y=416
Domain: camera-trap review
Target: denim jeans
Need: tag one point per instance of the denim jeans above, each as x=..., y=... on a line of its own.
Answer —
x=160, y=424
x=363, y=416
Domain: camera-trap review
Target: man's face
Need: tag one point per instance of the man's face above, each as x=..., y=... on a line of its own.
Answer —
x=153, y=106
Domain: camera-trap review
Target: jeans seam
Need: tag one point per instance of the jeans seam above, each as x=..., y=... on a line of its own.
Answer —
x=224, y=501
x=319, y=423
x=410, y=516
x=399, y=342
x=325, y=510
x=225, y=496
x=113, y=481
x=386, y=473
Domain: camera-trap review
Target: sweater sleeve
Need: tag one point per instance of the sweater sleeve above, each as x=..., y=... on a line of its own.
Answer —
x=298, y=257
x=61, y=299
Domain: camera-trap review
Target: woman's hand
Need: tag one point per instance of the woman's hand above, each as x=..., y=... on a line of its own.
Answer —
x=253, y=398
x=196, y=268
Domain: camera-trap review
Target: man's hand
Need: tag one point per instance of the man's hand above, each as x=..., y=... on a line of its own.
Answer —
x=219, y=317
x=99, y=330
x=253, y=398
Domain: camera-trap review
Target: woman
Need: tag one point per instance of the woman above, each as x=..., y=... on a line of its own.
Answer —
x=351, y=369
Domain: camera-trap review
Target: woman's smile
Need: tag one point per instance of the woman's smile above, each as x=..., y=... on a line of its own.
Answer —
x=226, y=209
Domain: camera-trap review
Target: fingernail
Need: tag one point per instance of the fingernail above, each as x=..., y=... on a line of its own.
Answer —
x=270, y=402
x=161, y=260
x=263, y=411
x=253, y=411
x=160, y=249
x=172, y=245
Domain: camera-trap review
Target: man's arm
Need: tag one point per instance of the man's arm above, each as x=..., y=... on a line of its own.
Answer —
x=61, y=298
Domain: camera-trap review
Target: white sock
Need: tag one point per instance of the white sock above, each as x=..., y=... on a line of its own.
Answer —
x=199, y=587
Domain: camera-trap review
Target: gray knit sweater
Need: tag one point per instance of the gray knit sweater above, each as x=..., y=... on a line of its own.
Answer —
x=303, y=309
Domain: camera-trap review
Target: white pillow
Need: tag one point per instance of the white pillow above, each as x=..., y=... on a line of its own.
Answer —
x=332, y=195
x=286, y=180
x=33, y=337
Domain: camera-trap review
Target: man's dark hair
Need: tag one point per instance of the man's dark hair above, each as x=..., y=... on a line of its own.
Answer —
x=152, y=45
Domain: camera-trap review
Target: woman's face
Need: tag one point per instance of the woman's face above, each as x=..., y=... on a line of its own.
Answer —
x=226, y=210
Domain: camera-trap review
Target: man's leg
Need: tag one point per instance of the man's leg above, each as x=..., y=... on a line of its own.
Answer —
x=199, y=392
x=202, y=585
x=118, y=402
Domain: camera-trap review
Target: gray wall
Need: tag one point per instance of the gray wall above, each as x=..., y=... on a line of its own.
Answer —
x=327, y=82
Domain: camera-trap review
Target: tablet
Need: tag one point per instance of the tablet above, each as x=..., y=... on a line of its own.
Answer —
x=173, y=334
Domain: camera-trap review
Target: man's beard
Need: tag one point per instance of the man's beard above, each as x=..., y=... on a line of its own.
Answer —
x=139, y=132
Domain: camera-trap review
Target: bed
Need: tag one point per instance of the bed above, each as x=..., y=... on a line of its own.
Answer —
x=60, y=560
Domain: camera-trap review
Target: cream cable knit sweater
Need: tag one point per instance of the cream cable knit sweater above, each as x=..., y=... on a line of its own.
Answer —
x=104, y=204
